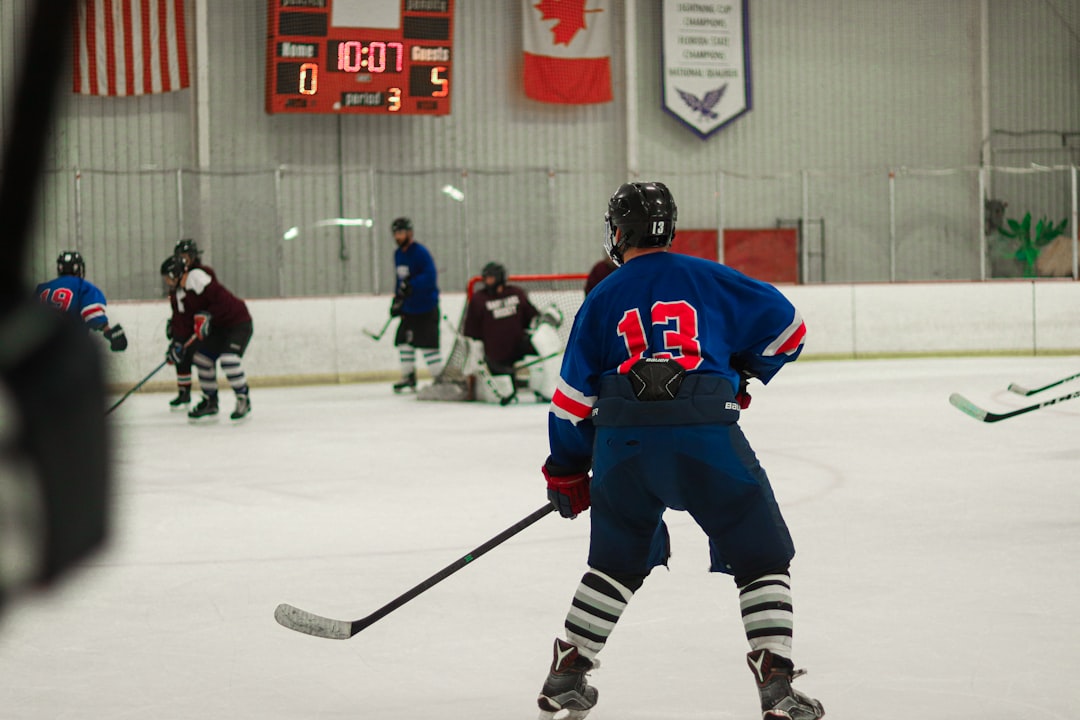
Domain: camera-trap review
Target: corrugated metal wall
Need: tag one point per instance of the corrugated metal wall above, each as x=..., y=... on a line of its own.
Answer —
x=844, y=91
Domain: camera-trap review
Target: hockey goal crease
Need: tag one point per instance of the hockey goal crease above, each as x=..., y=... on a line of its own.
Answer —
x=556, y=295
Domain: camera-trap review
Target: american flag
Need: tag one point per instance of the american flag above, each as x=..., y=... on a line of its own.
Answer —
x=130, y=47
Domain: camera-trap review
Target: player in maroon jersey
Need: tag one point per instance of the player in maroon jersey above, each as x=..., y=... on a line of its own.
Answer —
x=221, y=331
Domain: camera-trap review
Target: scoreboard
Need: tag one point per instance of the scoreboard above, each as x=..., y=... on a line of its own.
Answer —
x=390, y=57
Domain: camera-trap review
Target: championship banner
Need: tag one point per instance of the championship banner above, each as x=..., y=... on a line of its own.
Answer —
x=706, y=62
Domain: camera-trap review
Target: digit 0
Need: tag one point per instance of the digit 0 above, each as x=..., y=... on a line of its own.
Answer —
x=309, y=79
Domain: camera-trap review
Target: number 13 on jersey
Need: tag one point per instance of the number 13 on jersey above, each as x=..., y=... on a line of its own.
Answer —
x=680, y=334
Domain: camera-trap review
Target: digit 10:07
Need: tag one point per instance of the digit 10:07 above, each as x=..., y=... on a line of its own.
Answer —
x=354, y=56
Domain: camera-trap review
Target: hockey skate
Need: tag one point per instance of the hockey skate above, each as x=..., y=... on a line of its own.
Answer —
x=183, y=397
x=566, y=688
x=407, y=382
x=779, y=701
x=207, y=409
x=243, y=406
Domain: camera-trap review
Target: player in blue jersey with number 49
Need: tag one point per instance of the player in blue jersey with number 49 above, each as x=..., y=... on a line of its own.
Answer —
x=71, y=293
x=651, y=387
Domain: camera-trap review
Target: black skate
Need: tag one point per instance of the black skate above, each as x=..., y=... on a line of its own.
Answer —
x=407, y=382
x=183, y=397
x=566, y=688
x=243, y=406
x=779, y=701
x=207, y=409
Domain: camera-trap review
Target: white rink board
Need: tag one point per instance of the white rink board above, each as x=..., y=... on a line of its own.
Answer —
x=320, y=339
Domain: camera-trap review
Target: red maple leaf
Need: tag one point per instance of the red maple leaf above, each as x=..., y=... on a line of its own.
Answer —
x=569, y=14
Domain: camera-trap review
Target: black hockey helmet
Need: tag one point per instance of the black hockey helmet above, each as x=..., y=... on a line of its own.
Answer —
x=495, y=270
x=70, y=262
x=401, y=223
x=172, y=267
x=187, y=246
x=645, y=213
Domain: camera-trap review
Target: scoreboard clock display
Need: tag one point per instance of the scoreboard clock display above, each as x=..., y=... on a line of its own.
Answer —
x=390, y=57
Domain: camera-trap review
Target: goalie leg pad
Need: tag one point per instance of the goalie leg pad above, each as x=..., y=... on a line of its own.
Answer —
x=545, y=339
x=493, y=388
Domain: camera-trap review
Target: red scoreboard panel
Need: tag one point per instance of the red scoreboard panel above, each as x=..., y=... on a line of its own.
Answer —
x=368, y=57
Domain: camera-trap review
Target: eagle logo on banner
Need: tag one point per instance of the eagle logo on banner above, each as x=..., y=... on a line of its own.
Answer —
x=706, y=104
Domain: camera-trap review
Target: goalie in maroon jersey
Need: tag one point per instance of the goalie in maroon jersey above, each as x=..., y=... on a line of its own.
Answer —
x=501, y=317
x=221, y=330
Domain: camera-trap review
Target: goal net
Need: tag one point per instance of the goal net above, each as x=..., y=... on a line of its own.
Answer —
x=557, y=296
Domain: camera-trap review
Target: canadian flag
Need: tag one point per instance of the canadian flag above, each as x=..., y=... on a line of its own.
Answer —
x=130, y=47
x=567, y=47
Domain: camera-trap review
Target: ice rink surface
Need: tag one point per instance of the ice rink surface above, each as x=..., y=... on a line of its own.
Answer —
x=936, y=574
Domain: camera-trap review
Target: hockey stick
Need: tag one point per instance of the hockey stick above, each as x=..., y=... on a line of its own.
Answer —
x=303, y=621
x=536, y=361
x=970, y=408
x=139, y=385
x=1020, y=390
x=378, y=335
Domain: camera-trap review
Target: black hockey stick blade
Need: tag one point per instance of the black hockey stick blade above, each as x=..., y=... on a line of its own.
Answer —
x=966, y=406
x=1021, y=390
x=311, y=624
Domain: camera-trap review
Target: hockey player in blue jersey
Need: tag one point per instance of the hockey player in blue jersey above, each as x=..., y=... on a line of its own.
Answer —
x=416, y=302
x=73, y=294
x=649, y=395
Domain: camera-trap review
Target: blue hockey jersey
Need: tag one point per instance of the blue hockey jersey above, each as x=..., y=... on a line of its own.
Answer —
x=708, y=317
x=416, y=264
x=76, y=296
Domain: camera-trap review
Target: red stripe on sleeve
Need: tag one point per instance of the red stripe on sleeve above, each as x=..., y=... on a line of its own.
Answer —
x=573, y=407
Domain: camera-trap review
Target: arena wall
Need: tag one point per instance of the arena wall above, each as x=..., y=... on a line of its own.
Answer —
x=320, y=340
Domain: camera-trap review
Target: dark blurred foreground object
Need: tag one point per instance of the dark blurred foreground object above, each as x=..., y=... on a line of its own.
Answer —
x=54, y=443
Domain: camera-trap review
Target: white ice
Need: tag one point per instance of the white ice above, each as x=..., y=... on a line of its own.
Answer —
x=936, y=574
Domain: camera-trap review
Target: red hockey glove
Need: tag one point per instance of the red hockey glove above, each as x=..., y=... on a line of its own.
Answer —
x=569, y=494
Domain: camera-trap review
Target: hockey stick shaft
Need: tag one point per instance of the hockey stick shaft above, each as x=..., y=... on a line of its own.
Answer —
x=970, y=408
x=302, y=621
x=378, y=335
x=1021, y=390
x=139, y=385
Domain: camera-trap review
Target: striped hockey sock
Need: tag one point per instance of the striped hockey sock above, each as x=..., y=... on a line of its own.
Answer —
x=234, y=370
x=767, y=613
x=433, y=359
x=207, y=373
x=407, y=356
x=598, y=603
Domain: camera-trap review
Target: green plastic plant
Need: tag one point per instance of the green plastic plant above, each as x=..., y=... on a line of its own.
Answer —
x=1030, y=247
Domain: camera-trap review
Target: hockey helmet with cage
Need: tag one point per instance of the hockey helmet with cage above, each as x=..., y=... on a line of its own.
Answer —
x=70, y=262
x=173, y=267
x=188, y=247
x=644, y=216
x=401, y=223
x=495, y=270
